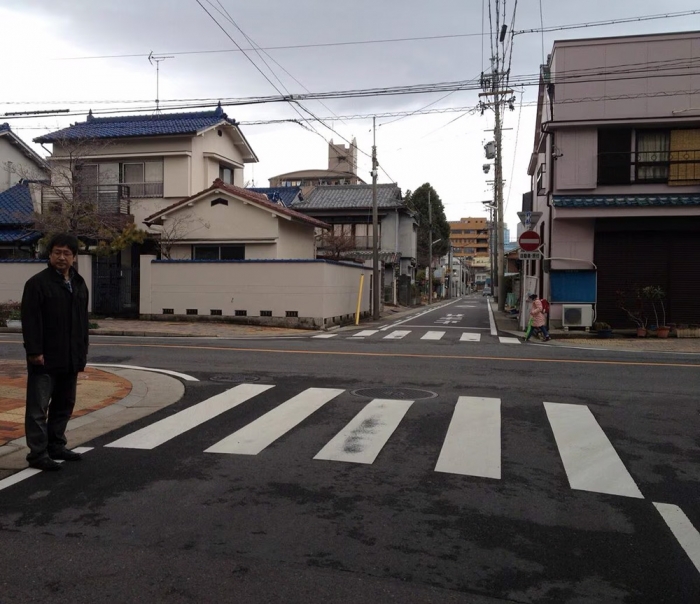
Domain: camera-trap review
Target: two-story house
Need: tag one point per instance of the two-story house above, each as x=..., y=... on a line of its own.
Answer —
x=616, y=173
x=348, y=209
x=137, y=166
x=18, y=161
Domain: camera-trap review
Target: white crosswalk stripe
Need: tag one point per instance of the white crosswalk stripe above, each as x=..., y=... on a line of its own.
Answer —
x=507, y=340
x=326, y=336
x=433, y=335
x=397, y=335
x=170, y=427
x=365, y=436
x=365, y=333
x=590, y=461
x=470, y=337
x=267, y=429
x=473, y=442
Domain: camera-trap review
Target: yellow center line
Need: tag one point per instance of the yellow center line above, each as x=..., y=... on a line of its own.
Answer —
x=397, y=355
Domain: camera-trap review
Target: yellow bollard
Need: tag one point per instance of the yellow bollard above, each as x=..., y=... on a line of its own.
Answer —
x=359, y=300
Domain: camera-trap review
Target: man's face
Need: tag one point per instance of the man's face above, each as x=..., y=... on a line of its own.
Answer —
x=61, y=258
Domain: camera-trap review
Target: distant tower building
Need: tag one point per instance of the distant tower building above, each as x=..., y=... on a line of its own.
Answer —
x=506, y=235
x=343, y=158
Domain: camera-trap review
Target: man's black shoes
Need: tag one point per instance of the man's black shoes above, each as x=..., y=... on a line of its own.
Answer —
x=66, y=455
x=46, y=464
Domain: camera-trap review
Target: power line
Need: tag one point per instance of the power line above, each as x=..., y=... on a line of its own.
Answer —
x=542, y=30
x=648, y=68
x=282, y=47
x=254, y=45
x=686, y=13
x=515, y=151
x=307, y=125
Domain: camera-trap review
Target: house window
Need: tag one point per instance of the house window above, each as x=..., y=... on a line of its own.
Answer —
x=226, y=174
x=541, y=180
x=614, y=156
x=218, y=252
x=652, y=159
x=145, y=179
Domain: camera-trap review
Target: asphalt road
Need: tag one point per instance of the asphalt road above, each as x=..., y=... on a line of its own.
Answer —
x=519, y=473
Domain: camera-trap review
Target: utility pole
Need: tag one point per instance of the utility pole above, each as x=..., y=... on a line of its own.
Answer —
x=375, y=227
x=450, y=273
x=499, y=200
x=492, y=87
x=430, y=249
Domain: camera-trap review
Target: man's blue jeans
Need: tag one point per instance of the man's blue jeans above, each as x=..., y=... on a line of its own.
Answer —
x=50, y=402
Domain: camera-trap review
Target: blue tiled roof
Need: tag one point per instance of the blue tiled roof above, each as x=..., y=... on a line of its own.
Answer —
x=139, y=125
x=16, y=205
x=18, y=236
x=624, y=201
x=5, y=127
x=286, y=195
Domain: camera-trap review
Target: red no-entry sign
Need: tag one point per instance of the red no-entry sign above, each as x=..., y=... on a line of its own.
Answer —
x=529, y=241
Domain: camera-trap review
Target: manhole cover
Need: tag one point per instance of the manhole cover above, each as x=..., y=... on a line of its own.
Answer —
x=233, y=378
x=402, y=394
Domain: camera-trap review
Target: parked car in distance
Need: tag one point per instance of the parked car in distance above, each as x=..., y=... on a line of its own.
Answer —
x=486, y=291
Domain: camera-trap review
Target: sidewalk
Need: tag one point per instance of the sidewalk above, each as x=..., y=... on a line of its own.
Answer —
x=622, y=342
x=107, y=399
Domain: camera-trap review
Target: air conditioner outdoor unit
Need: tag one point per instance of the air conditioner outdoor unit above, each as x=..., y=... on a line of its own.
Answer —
x=577, y=315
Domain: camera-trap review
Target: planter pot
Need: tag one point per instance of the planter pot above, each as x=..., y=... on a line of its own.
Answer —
x=662, y=332
x=604, y=333
x=641, y=332
x=13, y=323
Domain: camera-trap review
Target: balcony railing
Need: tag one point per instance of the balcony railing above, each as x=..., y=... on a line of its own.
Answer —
x=141, y=190
x=648, y=167
x=358, y=242
x=107, y=199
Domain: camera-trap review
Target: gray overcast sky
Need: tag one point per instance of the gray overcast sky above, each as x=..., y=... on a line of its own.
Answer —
x=36, y=33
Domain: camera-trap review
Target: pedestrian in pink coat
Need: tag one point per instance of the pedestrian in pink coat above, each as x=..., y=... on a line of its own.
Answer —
x=539, y=318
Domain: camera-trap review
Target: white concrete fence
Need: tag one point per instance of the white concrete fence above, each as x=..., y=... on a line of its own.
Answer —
x=14, y=274
x=302, y=293
x=297, y=293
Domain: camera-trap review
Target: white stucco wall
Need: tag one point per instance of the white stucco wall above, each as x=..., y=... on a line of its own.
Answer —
x=20, y=165
x=314, y=289
x=295, y=240
x=14, y=274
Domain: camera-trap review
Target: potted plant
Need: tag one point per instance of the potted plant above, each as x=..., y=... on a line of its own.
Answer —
x=656, y=295
x=637, y=316
x=603, y=330
x=10, y=314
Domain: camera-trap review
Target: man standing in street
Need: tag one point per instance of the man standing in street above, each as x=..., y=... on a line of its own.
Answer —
x=55, y=333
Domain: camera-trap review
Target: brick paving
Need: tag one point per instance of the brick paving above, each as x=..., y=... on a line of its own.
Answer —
x=96, y=389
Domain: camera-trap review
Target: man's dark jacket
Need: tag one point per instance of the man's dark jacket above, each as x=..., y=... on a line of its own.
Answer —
x=55, y=321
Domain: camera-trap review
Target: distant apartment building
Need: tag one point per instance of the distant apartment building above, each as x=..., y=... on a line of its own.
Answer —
x=469, y=237
x=342, y=170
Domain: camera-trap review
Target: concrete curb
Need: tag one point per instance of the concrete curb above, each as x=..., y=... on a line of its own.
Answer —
x=149, y=393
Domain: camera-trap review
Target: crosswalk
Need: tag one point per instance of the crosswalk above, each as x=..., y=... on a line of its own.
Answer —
x=471, y=445
x=453, y=334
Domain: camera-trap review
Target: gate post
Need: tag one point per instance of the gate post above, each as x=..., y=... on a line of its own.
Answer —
x=145, y=285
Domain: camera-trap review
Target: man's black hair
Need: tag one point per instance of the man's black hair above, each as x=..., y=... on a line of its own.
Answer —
x=63, y=240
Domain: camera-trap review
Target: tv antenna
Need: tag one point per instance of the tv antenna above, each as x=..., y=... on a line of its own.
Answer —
x=158, y=59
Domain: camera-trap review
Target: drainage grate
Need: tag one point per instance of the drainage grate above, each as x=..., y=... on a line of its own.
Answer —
x=234, y=378
x=401, y=394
